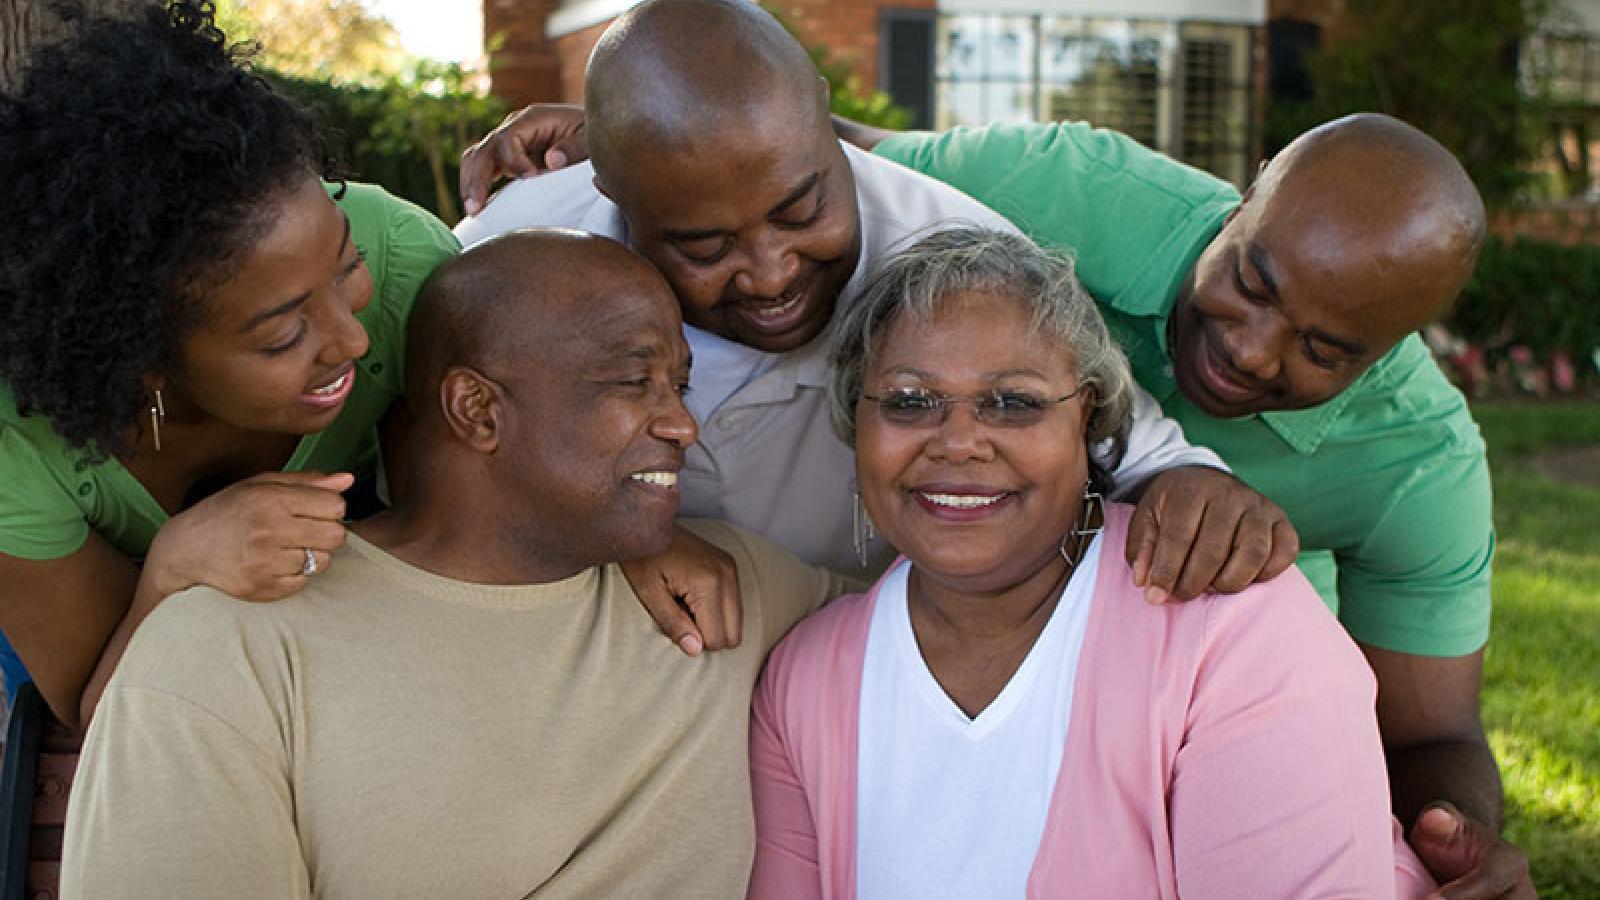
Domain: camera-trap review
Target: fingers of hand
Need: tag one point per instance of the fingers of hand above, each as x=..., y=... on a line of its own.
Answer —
x=704, y=602
x=672, y=618
x=1216, y=543
x=1141, y=548
x=1285, y=548
x=477, y=173
x=512, y=152
x=732, y=606
x=1249, y=555
x=1177, y=519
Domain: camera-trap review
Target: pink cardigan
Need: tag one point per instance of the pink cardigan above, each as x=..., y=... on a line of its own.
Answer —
x=1221, y=748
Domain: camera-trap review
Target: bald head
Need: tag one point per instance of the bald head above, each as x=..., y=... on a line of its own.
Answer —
x=1359, y=233
x=672, y=76
x=1384, y=186
x=507, y=302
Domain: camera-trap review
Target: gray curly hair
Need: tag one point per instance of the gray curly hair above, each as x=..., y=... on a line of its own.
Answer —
x=916, y=281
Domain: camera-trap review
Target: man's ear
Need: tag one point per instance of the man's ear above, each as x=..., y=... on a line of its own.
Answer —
x=470, y=404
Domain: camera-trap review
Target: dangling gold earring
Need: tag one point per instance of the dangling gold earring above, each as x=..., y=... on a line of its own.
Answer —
x=158, y=415
x=864, y=533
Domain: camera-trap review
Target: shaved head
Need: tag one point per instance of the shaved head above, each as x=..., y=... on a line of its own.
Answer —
x=672, y=76
x=1395, y=190
x=508, y=301
x=546, y=371
x=1359, y=233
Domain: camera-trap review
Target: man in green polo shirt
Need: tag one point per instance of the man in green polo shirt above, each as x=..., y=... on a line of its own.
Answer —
x=1279, y=329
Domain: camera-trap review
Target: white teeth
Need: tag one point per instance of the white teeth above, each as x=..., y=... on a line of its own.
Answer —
x=333, y=387
x=780, y=309
x=660, y=479
x=963, y=501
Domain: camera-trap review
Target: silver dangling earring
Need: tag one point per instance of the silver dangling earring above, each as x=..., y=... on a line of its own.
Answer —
x=863, y=533
x=158, y=415
x=1080, y=536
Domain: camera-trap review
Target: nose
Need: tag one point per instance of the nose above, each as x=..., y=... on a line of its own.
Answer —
x=960, y=438
x=673, y=423
x=347, y=338
x=1255, y=345
x=769, y=268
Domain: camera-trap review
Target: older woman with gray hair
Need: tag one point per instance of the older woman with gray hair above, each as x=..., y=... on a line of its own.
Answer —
x=1001, y=715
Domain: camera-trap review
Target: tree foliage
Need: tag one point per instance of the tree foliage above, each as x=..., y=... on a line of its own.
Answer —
x=396, y=120
x=334, y=39
x=1450, y=67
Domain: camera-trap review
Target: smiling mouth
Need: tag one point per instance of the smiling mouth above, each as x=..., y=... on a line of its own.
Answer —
x=962, y=501
x=333, y=387
x=661, y=479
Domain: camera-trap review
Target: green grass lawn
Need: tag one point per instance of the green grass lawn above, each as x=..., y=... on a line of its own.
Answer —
x=1541, y=699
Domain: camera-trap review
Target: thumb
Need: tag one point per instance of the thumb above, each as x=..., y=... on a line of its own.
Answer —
x=1442, y=840
x=336, y=481
x=570, y=149
x=1141, y=548
x=331, y=481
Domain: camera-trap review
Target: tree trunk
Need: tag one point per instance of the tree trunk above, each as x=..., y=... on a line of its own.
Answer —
x=24, y=24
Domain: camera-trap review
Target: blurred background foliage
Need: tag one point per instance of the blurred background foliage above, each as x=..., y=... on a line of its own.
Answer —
x=389, y=117
x=1450, y=67
x=403, y=122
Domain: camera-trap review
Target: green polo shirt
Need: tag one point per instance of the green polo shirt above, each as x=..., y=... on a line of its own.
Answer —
x=51, y=495
x=1387, y=483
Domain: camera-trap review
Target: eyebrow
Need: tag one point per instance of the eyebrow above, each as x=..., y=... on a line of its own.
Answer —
x=789, y=199
x=1258, y=258
x=296, y=302
x=990, y=377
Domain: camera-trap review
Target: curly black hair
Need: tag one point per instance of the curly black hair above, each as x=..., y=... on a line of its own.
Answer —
x=138, y=159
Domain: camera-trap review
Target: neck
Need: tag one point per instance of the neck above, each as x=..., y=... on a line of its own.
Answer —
x=463, y=538
x=987, y=615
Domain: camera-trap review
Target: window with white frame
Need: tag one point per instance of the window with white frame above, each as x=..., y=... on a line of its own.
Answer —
x=1182, y=87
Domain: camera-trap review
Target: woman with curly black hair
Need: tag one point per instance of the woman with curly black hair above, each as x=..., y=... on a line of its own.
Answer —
x=192, y=327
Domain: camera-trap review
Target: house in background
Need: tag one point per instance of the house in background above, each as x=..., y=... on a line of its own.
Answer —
x=1179, y=75
x=1192, y=78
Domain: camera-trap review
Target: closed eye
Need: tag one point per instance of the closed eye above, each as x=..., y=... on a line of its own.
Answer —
x=290, y=344
x=707, y=251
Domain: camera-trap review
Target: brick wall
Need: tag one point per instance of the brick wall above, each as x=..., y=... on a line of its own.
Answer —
x=573, y=49
x=848, y=29
x=530, y=66
x=526, y=66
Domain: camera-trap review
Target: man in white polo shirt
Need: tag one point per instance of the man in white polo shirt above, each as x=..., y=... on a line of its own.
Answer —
x=713, y=157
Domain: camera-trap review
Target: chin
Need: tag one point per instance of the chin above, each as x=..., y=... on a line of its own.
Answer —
x=643, y=546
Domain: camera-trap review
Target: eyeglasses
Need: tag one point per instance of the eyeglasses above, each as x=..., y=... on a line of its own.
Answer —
x=916, y=408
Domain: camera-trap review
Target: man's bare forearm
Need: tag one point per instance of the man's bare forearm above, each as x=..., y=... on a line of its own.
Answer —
x=1462, y=771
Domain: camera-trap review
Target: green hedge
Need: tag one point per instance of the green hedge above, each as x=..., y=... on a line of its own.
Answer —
x=1541, y=295
x=406, y=133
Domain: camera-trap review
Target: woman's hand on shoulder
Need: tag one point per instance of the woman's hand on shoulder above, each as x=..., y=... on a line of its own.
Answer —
x=251, y=540
x=692, y=591
x=1197, y=529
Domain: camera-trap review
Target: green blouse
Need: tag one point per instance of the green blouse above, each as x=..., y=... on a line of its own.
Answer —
x=51, y=495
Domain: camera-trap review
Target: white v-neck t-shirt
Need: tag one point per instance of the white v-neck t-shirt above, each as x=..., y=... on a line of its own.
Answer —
x=948, y=806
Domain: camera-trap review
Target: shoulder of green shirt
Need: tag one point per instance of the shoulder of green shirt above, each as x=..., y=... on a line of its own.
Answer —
x=402, y=243
x=1135, y=219
x=1407, y=380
